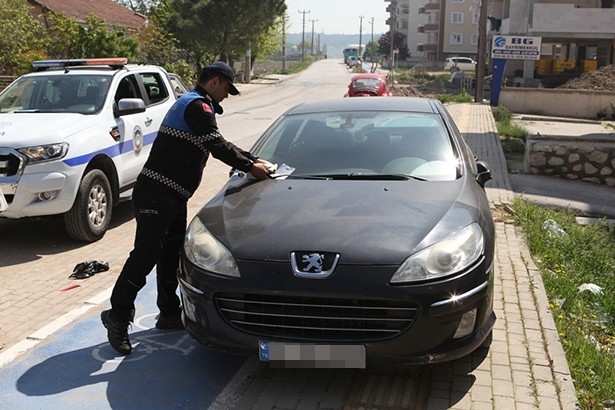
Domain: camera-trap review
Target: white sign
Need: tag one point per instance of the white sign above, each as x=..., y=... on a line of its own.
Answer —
x=516, y=47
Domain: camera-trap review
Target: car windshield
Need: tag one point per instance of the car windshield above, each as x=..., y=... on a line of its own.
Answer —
x=84, y=94
x=362, y=145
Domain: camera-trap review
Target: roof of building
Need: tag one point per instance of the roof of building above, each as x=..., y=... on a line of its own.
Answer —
x=108, y=10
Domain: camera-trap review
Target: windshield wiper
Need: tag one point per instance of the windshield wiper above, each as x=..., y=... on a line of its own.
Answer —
x=27, y=111
x=325, y=177
x=377, y=177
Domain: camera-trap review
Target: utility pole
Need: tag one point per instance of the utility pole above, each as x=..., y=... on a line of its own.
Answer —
x=482, y=50
x=372, y=23
x=392, y=22
x=312, y=47
x=304, y=12
x=360, y=34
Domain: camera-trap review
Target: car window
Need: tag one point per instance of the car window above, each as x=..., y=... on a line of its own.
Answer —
x=154, y=87
x=127, y=88
x=362, y=143
x=373, y=83
x=179, y=88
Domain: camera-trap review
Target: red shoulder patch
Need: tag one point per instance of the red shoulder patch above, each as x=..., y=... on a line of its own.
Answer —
x=207, y=108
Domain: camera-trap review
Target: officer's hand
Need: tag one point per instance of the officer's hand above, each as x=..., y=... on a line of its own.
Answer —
x=260, y=170
x=265, y=162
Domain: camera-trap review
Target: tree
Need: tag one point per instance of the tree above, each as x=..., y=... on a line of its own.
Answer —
x=20, y=37
x=222, y=29
x=69, y=39
x=399, y=41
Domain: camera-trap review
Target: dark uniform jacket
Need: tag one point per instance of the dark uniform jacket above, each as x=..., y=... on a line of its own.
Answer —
x=187, y=135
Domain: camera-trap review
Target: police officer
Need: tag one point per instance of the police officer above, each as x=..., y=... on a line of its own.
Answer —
x=170, y=176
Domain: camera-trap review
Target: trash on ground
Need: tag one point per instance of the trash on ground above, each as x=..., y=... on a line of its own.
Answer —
x=86, y=269
x=591, y=287
x=553, y=229
x=69, y=287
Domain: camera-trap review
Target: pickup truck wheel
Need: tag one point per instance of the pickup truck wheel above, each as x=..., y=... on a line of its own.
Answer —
x=90, y=215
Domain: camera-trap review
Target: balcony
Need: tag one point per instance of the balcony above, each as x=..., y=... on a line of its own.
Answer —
x=427, y=48
x=429, y=8
x=428, y=28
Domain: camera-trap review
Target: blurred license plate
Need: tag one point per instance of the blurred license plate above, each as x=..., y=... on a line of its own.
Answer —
x=3, y=205
x=303, y=355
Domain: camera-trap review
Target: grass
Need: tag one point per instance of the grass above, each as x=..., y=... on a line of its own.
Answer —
x=578, y=269
x=512, y=138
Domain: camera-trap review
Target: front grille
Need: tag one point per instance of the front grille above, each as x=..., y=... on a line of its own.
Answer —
x=10, y=163
x=316, y=318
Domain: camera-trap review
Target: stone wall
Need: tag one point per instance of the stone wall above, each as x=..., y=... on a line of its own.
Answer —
x=589, y=160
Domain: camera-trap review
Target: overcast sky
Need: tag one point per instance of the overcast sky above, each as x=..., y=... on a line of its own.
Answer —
x=338, y=16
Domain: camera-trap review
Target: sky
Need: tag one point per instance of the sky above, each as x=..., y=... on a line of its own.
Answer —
x=338, y=16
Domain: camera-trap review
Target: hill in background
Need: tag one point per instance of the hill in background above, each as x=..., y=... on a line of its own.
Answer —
x=330, y=44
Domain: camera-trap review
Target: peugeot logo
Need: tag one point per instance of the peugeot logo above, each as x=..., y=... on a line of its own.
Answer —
x=313, y=265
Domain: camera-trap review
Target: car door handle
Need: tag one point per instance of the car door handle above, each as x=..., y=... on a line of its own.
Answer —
x=148, y=121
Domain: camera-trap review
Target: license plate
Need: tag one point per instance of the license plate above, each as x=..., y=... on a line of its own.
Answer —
x=303, y=355
x=3, y=205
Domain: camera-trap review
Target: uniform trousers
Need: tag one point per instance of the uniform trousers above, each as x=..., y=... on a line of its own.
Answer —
x=161, y=217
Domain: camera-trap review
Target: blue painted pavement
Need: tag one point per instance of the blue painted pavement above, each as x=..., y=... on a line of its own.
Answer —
x=77, y=368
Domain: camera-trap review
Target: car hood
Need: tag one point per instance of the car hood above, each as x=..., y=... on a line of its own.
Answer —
x=28, y=129
x=365, y=221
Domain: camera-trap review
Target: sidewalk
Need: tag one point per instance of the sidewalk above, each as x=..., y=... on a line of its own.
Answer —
x=525, y=368
x=526, y=343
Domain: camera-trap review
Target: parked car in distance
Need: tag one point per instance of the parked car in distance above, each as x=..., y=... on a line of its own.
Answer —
x=353, y=61
x=368, y=85
x=459, y=63
x=74, y=136
x=372, y=244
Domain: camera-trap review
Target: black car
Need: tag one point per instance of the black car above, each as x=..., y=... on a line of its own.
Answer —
x=372, y=244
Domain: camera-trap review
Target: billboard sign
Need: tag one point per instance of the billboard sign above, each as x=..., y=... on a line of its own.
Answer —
x=516, y=47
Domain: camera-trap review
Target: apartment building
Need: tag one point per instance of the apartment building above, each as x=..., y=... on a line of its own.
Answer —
x=577, y=35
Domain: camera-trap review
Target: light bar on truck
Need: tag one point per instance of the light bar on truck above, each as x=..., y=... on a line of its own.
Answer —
x=45, y=64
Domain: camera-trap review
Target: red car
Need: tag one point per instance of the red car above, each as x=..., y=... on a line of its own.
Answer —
x=368, y=85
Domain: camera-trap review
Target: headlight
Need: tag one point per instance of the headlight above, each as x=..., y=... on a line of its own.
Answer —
x=45, y=152
x=206, y=252
x=452, y=254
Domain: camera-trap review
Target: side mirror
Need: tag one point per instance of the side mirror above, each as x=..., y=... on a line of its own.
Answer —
x=127, y=106
x=483, y=174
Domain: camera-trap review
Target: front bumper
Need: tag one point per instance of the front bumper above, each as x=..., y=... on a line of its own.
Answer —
x=25, y=193
x=426, y=316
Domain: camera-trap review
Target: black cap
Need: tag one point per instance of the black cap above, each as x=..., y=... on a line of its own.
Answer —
x=225, y=70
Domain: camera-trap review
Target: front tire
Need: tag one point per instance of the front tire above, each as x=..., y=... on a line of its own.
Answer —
x=90, y=215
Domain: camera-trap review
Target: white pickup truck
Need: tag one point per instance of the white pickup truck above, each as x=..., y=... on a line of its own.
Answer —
x=75, y=134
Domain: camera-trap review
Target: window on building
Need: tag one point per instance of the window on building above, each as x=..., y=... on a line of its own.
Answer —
x=474, y=39
x=456, y=38
x=457, y=18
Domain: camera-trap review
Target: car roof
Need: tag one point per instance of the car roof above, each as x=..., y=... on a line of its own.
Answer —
x=409, y=104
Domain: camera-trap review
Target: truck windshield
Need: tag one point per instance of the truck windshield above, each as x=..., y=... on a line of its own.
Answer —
x=84, y=94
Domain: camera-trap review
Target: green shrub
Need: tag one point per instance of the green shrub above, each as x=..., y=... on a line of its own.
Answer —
x=502, y=114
